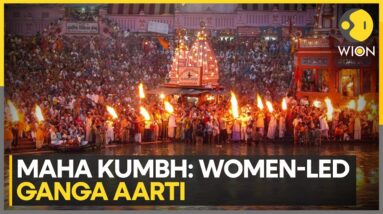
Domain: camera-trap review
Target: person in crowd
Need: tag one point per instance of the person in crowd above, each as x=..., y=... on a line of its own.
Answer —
x=109, y=136
x=236, y=131
x=215, y=131
x=172, y=125
x=222, y=129
x=8, y=137
x=39, y=136
x=357, y=127
x=281, y=125
x=272, y=127
x=324, y=125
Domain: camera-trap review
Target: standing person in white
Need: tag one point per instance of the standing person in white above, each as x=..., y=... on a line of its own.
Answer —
x=272, y=127
x=172, y=126
x=244, y=120
x=324, y=125
x=109, y=137
x=357, y=128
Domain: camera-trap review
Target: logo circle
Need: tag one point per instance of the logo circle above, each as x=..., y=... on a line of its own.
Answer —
x=345, y=25
x=359, y=51
x=356, y=25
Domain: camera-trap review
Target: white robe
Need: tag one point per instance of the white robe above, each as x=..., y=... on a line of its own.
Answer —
x=282, y=126
x=109, y=133
x=357, y=129
x=272, y=127
x=323, y=126
x=236, y=126
x=323, y=123
x=244, y=122
x=171, y=125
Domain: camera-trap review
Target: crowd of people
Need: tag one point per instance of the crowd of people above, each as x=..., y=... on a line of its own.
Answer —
x=66, y=76
x=258, y=64
x=74, y=78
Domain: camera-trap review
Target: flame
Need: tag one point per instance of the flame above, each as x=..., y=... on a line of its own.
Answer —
x=351, y=104
x=330, y=108
x=39, y=114
x=269, y=106
x=144, y=113
x=284, y=104
x=162, y=96
x=112, y=112
x=234, y=106
x=259, y=102
x=316, y=103
x=168, y=107
x=361, y=103
x=14, y=112
x=141, y=91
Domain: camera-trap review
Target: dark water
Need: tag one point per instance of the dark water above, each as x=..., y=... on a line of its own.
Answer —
x=367, y=158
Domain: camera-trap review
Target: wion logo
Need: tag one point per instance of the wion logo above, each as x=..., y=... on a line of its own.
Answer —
x=356, y=25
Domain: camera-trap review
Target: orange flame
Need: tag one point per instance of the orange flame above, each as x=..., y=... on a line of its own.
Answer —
x=284, y=104
x=144, y=113
x=141, y=91
x=234, y=105
x=162, y=96
x=112, y=112
x=269, y=106
x=39, y=114
x=259, y=102
x=168, y=107
x=330, y=108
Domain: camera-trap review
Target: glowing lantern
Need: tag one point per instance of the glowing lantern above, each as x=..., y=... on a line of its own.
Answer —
x=112, y=112
x=330, y=109
x=14, y=112
x=141, y=91
x=168, y=107
x=269, y=106
x=259, y=102
x=284, y=104
x=351, y=104
x=39, y=114
x=361, y=103
x=144, y=113
x=234, y=106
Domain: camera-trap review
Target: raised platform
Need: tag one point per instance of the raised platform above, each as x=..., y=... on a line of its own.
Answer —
x=170, y=89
